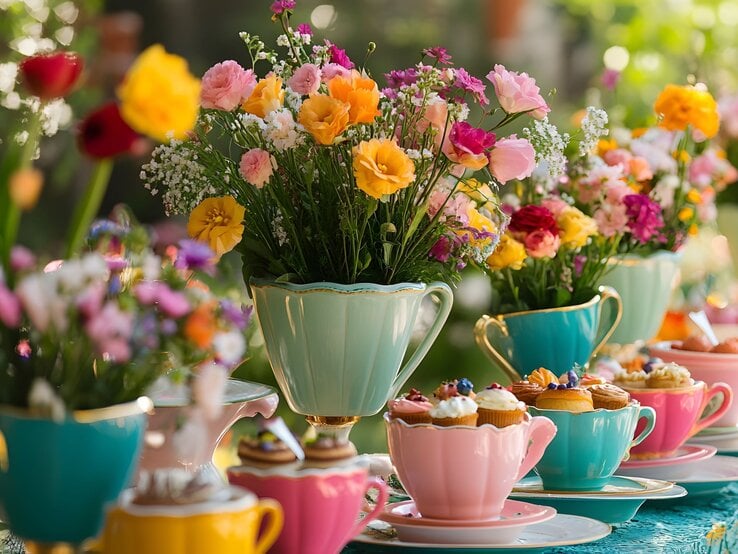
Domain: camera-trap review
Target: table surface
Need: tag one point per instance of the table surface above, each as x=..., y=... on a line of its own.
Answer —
x=681, y=526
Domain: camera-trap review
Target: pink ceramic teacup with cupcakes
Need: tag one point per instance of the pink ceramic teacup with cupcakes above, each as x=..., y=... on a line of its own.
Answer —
x=679, y=402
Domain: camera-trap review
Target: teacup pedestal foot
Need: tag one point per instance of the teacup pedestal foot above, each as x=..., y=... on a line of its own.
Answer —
x=338, y=427
x=33, y=547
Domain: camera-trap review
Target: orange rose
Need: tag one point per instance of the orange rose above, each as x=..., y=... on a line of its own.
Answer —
x=324, y=117
x=381, y=167
x=268, y=95
x=361, y=93
x=683, y=106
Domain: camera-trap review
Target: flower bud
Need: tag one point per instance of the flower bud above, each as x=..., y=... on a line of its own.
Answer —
x=50, y=76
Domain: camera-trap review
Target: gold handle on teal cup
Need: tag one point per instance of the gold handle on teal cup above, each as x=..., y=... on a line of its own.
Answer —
x=482, y=339
x=608, y=294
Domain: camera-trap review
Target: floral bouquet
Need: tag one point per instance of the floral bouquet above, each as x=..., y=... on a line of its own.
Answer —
x=650, y=189
x=316, y=174
x=99, y=330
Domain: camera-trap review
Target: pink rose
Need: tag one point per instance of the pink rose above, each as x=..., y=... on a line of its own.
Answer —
x=542, y=244
x=517, y=92
x=257, y=166
x=331, y=70
x=554, y=205
x=225, y=85
x=618, y=156
x=611, y=219
x=512, y=158
x=10, y=308
x=468, y=146
x=306, y=79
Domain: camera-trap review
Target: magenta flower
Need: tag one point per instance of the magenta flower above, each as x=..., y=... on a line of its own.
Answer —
x=397, y=78
x=468, y=145
x=172, y=303
x=304, y=29
x=339, y=56
x=579, y=261
x=610, y=78
x=280, y=6
x=441, y=250
x=471, y=84
x=644, y=217
x=195, y=255
x=439, y=54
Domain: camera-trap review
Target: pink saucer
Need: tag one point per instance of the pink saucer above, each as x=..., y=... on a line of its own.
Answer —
x=677, y=467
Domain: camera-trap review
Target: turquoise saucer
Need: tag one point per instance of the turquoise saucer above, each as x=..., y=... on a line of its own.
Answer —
x=618, y=502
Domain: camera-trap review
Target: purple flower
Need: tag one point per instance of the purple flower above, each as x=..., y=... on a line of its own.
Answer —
x=116, y=263
x=441, y=251
x=438, y=53
x=389, y=93
x=304, y=29
x=398, y=78
x=238, y=316
x=644, y=217
x=579, y=261
x=471, y=84
x=339, y=56
x=280, y=6
x=194, y=254
x=168, y=327
x=610, y=78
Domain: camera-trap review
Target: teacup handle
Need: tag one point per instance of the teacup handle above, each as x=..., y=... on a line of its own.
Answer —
x=712, y=418
x=381, y=487
x=542, y=431
x=446, y=298
x=649, y=414
x=480, y=335
x=270, y=534
x=606, y=329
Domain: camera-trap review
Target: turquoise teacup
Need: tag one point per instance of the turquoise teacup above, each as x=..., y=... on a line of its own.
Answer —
x=589, y=446
x=554, y=338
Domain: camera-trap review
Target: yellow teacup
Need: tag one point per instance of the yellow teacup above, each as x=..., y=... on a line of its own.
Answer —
x=226, y=527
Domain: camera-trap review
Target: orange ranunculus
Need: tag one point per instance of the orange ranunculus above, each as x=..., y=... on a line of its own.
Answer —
x=381, y=167
x=361, y=93
x=200, y=326
x=324, y=117
x=680, y=106
x=218, y=222
x=267, y=96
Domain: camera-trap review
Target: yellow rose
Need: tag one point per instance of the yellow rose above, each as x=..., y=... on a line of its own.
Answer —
x=324, y=117
x=509, y=253
x=24, y=187
x=680, y=106
x=480, y=192
x=575, y=227
x=381, y=167
x=268, y=95
x=360, y=93
x=159, y=96
x=218, y=222
x=481, y=223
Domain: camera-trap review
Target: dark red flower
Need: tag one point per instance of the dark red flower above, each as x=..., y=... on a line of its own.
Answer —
x=533, y=218
x=104, y=134
x=50, y=76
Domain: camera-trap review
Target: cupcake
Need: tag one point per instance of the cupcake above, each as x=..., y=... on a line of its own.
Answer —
x=669, y=376
x=412, y=408
x=608, y=397
x=264, y=450
x=569, y=397
x=695, y=343
x=325, y=448
x=499, y=407
x=526, y=392
x=729, y=346
x=455, y=410
x=542, y=377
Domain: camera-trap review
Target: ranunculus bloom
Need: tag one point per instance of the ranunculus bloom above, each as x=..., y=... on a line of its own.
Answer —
x=531, y=218
x=159, y=96
x=217, y=222
x=554, y=204
x=267, y=96
x=542, y=244
x=645, y=219
x=618, y=156
x=381, y=167
x=517, y=92
x=512, y=158
x=575, y=228
x=305, y=79
x=226, y=85
x=104, y=133
x=50, y=76
x=323, y=117
x=360, y=93
x=680, y=106
x=24, y=187
x=509, y=254
x=468, y=146
x=257, y=166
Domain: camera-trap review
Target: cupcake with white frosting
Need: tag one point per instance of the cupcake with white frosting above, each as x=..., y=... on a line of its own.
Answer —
x=455, y=410
x=669, y=376
x=499, y=407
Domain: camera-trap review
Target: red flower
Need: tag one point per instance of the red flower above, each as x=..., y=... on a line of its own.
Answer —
x=50, y=76
x=104, y=134
x=533, y=218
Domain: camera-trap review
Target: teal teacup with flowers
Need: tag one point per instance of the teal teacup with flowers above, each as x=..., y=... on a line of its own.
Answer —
x=555, y=338
x=589, y=446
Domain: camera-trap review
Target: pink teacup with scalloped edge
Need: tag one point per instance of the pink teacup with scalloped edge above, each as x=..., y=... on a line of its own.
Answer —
x=321, y=505
x=465, y=473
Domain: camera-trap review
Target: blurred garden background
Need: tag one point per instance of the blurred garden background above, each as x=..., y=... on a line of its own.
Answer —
x=617, y=54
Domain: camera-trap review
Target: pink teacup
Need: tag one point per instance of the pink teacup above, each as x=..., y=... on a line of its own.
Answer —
x=321, y=505
x=677, y=416
x=465, y=473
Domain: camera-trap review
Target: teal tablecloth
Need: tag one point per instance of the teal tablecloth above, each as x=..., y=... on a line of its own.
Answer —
x=683, y=526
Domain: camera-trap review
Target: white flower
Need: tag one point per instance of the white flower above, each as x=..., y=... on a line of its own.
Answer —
x=281, y=129
x=34, y=293
x=43, y=399
x=229, y=347
x=208, y=388
x=594, y=127
x=55, y=114
x=8, y=73
x=151, y=267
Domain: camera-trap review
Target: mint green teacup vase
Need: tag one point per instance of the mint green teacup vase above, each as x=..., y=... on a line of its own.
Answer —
x=555, y=338
x=589, y=446
x=337, y=350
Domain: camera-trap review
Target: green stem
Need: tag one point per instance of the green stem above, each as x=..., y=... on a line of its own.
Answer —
x=87, y=209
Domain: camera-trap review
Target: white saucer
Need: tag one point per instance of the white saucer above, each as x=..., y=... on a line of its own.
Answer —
x=711, y=475
x=411, y=526
x=726, y=444
x=617, y=487
x=711, y=433
x=562, y=530
x=688, y=457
